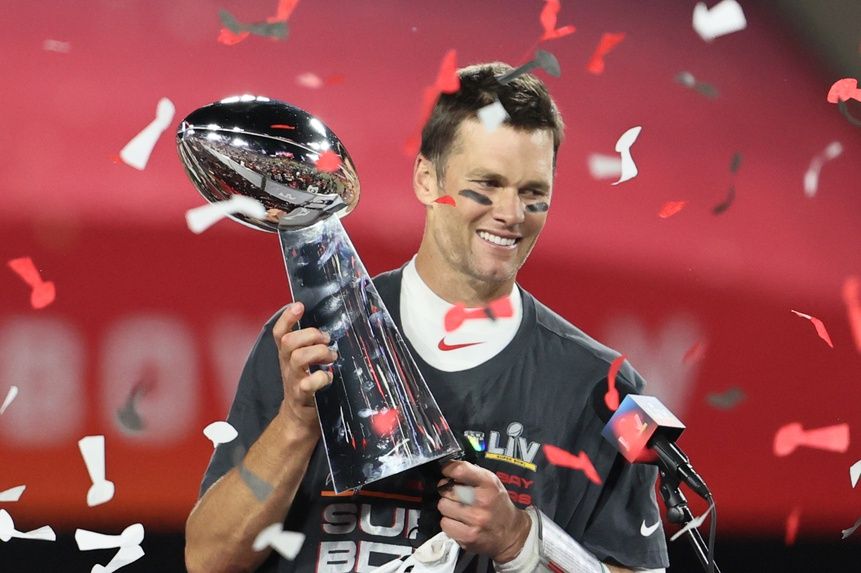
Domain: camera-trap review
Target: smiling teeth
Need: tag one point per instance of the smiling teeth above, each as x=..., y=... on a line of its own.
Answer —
x=496, y=240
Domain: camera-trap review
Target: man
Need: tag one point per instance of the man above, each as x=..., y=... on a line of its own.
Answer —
x=512, y=385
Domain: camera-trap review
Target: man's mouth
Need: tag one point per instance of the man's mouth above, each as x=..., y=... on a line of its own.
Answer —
x=498, y=240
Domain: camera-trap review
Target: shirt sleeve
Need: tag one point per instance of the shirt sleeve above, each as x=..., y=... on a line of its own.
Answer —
x=258, y=396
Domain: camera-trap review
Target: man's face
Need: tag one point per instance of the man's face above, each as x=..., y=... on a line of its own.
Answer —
x=501, y=182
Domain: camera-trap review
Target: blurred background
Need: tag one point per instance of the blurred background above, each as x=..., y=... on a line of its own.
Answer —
x=151, y=320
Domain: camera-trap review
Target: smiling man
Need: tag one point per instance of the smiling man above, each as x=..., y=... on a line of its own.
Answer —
x=509, y=386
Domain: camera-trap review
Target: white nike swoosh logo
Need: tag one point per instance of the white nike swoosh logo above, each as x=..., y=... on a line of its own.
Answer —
x=647, y=531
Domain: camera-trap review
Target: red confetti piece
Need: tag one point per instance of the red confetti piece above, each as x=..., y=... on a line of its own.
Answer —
x=792, y=521
x=446, y=200
x=548, y=18
x=284, y=10
x=328, y=161
x=385, y=422
x=447, y=81
x=611, y=398
x=229, y=38
x=830, y=438
x=608, y=42
x=820, y=327
x=843, y=90
x=852, y=299
x=670, y=208
x=564, y=459
x=282, y=126
x=458, y=314
x=43, y=293
x=695, y=353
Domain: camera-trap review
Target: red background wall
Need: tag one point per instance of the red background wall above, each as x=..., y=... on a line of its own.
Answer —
x=141, y=297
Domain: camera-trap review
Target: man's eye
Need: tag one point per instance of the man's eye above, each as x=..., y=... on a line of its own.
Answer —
x=487, y=182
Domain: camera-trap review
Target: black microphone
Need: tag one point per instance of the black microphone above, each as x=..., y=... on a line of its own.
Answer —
x=644, y=430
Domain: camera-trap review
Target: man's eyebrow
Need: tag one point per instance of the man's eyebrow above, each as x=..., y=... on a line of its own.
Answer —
x=481, y=173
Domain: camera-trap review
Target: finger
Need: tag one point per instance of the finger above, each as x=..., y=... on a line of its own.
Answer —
x=315, y=381
x=302, y=358
x=456, y=511
x=288, y=343
x=466, y=473
x=288, y=319
x=460, y=532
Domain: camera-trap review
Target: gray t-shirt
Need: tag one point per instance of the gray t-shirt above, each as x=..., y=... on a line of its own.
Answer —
x=536, y=391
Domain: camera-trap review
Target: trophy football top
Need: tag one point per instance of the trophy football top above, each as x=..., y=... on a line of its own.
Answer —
x=270, y=151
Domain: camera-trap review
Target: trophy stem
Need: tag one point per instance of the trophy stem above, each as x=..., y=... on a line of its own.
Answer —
x=378, y=417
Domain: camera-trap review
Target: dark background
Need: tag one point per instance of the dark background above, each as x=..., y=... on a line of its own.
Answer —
x=139, y=297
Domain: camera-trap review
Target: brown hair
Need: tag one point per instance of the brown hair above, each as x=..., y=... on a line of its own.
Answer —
x=525, y=98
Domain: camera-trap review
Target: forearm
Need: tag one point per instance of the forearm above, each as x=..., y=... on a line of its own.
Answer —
x=222, y=526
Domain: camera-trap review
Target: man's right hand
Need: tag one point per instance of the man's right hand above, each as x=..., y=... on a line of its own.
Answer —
x=298, y=350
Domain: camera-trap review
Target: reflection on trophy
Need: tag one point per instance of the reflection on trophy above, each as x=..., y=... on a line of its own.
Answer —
x=378, y=417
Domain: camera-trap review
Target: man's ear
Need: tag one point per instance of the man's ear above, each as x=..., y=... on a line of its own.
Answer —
x=424, y=180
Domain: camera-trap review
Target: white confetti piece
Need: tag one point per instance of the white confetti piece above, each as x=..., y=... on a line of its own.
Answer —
x=623, y=147
x=492, y=116
x=8, y=531
x=286, y=543
x=93, y=451
x=201, y=218
x=123, y=557
x=220, y=433
x=89, y=540
x=56, y=46
x=723, y=18
x=604, y=166
x=855, y=472
x=811, y=176
x=694, y=523
x=10, y=395
x=847, y=532
x=12, y=494
x=310, y=80
x=464, y=493
x=137, y=151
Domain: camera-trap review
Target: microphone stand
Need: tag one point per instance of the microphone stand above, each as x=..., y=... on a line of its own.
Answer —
x=678, y=512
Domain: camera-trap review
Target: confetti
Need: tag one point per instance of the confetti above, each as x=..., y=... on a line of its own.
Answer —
x=274, y=27
x=445, y=200
x=727, y=400
x=735, y=162
x=286, y=543
x=201, y=218
x=56, y=46
x=811, y=176
x=855, y=473
x=561, y=458
x=548, y=17
x=721, y=19
x=623, y=147
x=852, y=300
x=544, y=60
x=604, y=166
x=8, y=531
x=721, y=207
x=137, y=151
x=465, y=494
x=605, y=45
x=692, y=524
x=328, y=161
x=611, y=398
x=492, y=116
x=687, y=79
x=312, y=81
x=844, y=110
x=10, y=396
x=792, y=521
x=447, y=81
x=123, y=557
x=847, y=532
x=12, y=494
x=220, y=432
x=89, y=540
x=831, y=438
x=844, y=90
x=128, y=417
x=670, y=208
x=385, y=421
x=43, y=293
x=695, y=353
x=820, y=327
x=93, y=451
x=458, y=314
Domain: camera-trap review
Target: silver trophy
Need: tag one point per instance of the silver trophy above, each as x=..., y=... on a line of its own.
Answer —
x=378, y=417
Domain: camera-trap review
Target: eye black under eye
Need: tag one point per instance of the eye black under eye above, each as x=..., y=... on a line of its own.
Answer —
x=538, y=207
x=475, y=196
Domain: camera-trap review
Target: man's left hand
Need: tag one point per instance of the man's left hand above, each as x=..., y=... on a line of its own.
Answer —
x=491, y=524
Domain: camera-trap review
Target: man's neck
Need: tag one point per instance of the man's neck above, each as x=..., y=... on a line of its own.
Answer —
x=456, y=287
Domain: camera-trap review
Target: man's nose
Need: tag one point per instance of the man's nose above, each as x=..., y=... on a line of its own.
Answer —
x=508, y=208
